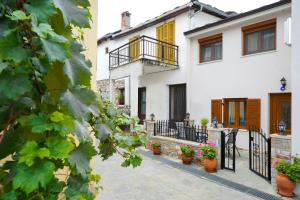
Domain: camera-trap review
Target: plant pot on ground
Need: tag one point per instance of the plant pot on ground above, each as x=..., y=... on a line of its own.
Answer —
x=155, y=147
x=209, y=153
x=187, y=154
x=288, y=174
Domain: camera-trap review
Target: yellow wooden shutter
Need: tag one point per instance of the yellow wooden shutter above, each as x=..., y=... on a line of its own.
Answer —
x=134, y=48
x=171, y=40
x=158, y=46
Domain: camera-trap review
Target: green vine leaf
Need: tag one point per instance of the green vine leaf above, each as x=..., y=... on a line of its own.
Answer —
x=79, y=102
x=73, y=14
x=20, y=82
x=78, y=189
x=2, y=66
x=55, y=51
x=59, y=147
x=77, y=68
x=31, y=151
x=42, y=10
x=31, y=178
x=82, y=131
x=80, y=158
x=11, y=49
x=18, y=15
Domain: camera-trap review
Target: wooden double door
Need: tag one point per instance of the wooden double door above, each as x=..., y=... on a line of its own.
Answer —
x=280, y=109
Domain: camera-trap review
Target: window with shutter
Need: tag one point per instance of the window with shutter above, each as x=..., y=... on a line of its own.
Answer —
x=253, y=113
x=235, y=113
x=166, y=33
x=134, y=48
x=216, y=109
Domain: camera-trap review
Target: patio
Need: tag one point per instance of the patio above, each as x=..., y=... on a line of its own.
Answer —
x=162, y=177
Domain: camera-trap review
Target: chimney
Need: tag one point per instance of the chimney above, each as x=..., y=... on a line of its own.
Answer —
x=125, y=20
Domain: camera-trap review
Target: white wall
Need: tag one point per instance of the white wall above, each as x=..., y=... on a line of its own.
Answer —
x=157, y=84
x=237, y=76
x=296, y=77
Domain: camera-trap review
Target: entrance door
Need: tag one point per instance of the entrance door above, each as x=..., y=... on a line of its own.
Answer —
x=280, y=109
x=142, y=104
x=177, y=102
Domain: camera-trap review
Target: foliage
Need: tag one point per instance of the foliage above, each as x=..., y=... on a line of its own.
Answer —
x=291, y=170
x=208, y=150
x=204, y=121
x=51, y=122
x=188, y=151
x=154, y=144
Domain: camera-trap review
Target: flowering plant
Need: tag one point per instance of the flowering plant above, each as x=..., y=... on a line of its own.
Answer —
x=188, y=151
x=208, y=150
x=154, y=144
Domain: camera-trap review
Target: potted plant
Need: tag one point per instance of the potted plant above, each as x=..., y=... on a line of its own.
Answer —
x=187, y=154
x=204, y=122
x=209, y=153
x=155, y=147
x=288, y=174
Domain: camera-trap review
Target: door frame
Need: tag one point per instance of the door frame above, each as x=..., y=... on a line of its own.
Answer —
x=271, y=109
x=174, y=85
x=139, y=102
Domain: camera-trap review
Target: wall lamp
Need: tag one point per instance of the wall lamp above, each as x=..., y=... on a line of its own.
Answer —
x=283, y=84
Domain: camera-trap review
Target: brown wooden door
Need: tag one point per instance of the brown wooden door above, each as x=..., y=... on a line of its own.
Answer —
x=142, y=104
x=280, y=109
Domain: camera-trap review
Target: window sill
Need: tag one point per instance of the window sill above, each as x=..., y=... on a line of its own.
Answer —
x=257, y=54
x=209, y=62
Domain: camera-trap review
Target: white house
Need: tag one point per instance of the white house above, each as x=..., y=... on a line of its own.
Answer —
x=236, y=68
x=151, y=59
x=200, y=60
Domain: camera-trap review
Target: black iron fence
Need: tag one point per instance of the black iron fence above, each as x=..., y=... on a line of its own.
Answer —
x=145, y=48
x=260, y=153
x=180, y=130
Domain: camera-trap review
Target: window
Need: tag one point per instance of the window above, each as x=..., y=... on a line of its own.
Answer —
x=166, y=33
x=210, y=48
x=121, y=96
x=259, y=37
x=235, y=112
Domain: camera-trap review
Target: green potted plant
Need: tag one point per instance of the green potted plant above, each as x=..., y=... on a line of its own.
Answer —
x=120, y=99
x=187, y=154
x=288, y=174
x=155, y=147
x=209, y=154
x=204, y=122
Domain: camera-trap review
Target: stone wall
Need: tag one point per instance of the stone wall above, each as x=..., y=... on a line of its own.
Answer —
x=103, y=88
x=281, y=150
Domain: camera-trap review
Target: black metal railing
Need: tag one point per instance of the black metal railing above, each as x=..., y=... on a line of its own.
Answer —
x=180, y=130
x=260, y=153
x=144, y=48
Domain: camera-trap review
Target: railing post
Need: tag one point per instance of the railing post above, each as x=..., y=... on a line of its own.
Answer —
x=118, y=57
x=250, y=149
x=269, y=160
x=222, y=149
x=177, y=55
x=143, y=43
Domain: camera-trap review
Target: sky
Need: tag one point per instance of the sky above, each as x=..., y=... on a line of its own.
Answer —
x=141, y=10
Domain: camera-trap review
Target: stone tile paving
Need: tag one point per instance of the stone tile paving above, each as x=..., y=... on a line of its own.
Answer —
x=158, y=180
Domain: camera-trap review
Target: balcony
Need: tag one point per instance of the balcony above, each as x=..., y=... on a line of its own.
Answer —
x=155, y=55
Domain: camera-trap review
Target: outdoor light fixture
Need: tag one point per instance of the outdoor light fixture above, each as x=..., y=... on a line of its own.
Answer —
x=215, y=122
x=283, y=84
x=282, y=127
x=152, y=116
x=187, y=116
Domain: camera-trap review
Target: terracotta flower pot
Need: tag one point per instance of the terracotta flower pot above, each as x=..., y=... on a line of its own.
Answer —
x=210, y=165
x=156, y=151
x=186, y=159
x=285, y=187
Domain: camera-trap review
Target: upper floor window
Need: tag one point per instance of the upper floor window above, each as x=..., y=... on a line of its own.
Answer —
x=259, y=37
x=210, y=48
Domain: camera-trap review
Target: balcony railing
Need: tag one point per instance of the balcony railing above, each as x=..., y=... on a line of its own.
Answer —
x=146, y=49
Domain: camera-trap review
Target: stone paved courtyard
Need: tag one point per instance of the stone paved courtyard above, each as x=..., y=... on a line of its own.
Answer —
x=156, y=179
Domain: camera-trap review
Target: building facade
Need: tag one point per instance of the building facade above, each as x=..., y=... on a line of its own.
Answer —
x=196, y=59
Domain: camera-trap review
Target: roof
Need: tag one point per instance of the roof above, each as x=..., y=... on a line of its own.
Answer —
x=194, y=4
x=239, y=16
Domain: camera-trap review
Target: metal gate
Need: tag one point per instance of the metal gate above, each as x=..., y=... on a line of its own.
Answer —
x=260, y=154
x=228, y=148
